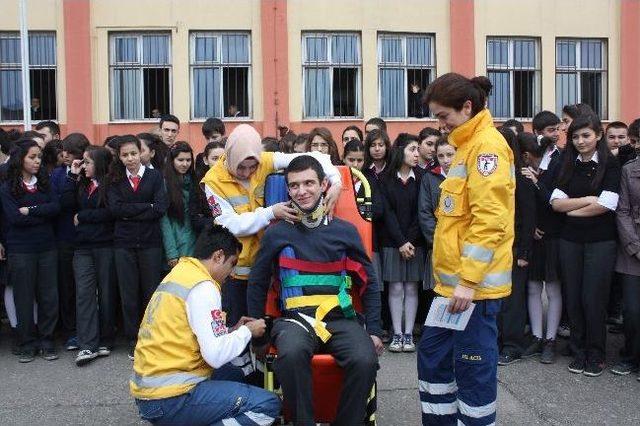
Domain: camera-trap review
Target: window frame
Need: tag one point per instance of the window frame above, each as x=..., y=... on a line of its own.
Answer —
x=578, y=70
x=18, y=66
x=404, y=66
x=331, y=66
x=511, y=69
x=220, y=65
x=112, y=36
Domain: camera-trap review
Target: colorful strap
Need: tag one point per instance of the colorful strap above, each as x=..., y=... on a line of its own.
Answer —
x=316, y=280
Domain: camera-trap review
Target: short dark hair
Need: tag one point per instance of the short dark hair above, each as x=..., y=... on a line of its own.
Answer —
x=212, y=125
x=617, y=125
x=53, y=127
x=428, y=131
x=270, y=144
x=75, y=144
x=169, y=117
x=544, y=119
x=378, y=122
x=634, y=128
x=514, y=123
x=213, y=238
x=302, y=163
x=32, y=134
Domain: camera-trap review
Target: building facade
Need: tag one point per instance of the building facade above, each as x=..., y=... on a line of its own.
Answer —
x=107, y=67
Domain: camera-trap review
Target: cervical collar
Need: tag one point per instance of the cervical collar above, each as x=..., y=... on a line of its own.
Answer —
x=311, y=218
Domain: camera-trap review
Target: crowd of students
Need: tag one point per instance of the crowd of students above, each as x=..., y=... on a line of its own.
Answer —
x=89, y=231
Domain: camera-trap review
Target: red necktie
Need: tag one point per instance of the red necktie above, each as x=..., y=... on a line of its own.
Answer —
x=135, y=180
x=91, y=188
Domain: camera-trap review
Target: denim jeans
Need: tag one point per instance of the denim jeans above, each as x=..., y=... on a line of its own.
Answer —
x=213, y=401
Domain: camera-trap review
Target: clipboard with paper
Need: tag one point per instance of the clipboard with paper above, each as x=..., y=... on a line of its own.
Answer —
x=439, y=316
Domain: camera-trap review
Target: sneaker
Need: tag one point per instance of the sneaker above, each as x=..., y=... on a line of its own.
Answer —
x=49, y=354
x=507, y=358
x=624, y=368
x=407, y=343
x=534, y=349
x=26, y=355
x=564, y=331
x=548, y=352
x=396, y=343
x=577, y=366
x=594, y=368
x=85, y=356
x=72, y=344
x=132, y=350
x=104, y=351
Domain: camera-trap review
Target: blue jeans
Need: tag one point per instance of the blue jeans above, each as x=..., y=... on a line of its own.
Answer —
x=212, y=401
x=458, y=370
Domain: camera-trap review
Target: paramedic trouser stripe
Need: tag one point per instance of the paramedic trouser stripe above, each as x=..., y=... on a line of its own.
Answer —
x=458, y=371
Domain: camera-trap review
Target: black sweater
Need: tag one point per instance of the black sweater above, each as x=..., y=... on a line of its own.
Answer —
x=137, y=214
x=401, y=211
x=199, y=210
x=377, y=206
x=326, y=243
x=525, y=220
x=95, y=222
x=32, y=233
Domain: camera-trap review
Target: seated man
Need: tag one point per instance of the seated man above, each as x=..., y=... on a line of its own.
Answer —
x=183, y=338
x=314, y=256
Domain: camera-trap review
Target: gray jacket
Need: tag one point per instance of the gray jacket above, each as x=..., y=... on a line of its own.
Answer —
x=428, y=201
x=628, y=220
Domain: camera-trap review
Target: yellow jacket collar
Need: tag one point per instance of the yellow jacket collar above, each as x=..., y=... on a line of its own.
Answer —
x=192, y=262
x=463, y=133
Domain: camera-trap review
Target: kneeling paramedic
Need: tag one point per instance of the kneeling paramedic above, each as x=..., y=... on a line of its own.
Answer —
x=183, y=371
x=317, y=260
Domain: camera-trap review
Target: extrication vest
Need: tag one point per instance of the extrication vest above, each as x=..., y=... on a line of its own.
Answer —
x=324, y=286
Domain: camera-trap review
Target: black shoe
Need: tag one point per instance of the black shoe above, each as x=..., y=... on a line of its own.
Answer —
x=577, y=366
x=49, y=354
x=624, y=368
x=534, y=349
x=26, y=355
x=594, y=368
x=566, y=350
x=507, y=358
x=548, y=352
x=131, y=352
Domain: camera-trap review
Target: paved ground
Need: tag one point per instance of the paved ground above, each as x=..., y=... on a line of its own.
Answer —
x=59, y=393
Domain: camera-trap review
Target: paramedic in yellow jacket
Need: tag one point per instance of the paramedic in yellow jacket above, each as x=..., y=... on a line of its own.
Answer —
x=184, y=369
x=234, y=188
x=472, y=257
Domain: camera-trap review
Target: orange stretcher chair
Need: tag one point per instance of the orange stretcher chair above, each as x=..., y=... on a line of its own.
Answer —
x=327, y=376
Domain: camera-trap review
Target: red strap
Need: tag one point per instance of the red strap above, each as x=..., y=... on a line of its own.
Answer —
x=358, y=269
x=314, y=267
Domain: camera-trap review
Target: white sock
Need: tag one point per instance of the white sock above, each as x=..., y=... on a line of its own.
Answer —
x=410, y=305
x=554, y=314
x=396, y=295
x=534, y=302
x=10, y=306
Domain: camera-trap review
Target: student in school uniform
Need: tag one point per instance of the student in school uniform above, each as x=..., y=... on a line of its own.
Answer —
x=93, y=262
x=428, y=140
x=29, y=209
x=402, y=243
x=137, y=199
x=587, y=193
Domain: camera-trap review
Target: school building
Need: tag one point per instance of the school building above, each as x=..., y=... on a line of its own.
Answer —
x=107, y=67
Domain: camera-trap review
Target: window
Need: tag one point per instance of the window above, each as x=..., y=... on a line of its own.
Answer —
x=581, y=74
x=220, y=75
x=513, y=66
x=42, y=76
x=331, y=75
x=406, y=67
x=140, y=76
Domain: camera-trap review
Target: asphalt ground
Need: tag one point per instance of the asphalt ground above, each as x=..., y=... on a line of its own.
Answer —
x=530, y=393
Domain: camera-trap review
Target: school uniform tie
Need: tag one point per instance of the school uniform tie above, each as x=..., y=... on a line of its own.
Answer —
x=92, y=188
x=135, y=181
x=32, y=189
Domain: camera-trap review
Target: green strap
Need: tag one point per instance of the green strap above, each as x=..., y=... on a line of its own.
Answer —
x=313, y=280
x=345, y=303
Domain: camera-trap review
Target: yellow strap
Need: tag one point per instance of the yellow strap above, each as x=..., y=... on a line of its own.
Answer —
x=325, y=304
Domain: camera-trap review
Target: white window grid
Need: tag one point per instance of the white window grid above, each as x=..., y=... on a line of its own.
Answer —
x=330, y=65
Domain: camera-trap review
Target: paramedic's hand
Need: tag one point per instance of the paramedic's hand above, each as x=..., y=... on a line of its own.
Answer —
x=331, y=199
x=284, y=211
x=256, y=327
x=242, y=321
x=462, y=297
x=3, y=253
x=377, y=343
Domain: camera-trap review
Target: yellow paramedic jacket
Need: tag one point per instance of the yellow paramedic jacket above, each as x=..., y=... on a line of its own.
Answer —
x=167, y=358
x=243, y=200
x=474, y=235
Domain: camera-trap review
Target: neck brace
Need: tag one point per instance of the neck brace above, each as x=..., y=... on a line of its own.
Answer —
x=311, y=218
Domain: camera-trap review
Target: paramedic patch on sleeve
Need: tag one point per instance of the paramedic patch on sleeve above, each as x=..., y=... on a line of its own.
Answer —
x=218, y=323
x=216, y=210
x=487, y=164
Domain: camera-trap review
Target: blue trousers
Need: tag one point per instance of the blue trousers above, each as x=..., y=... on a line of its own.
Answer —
x=221, y=400
x=457, y=370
